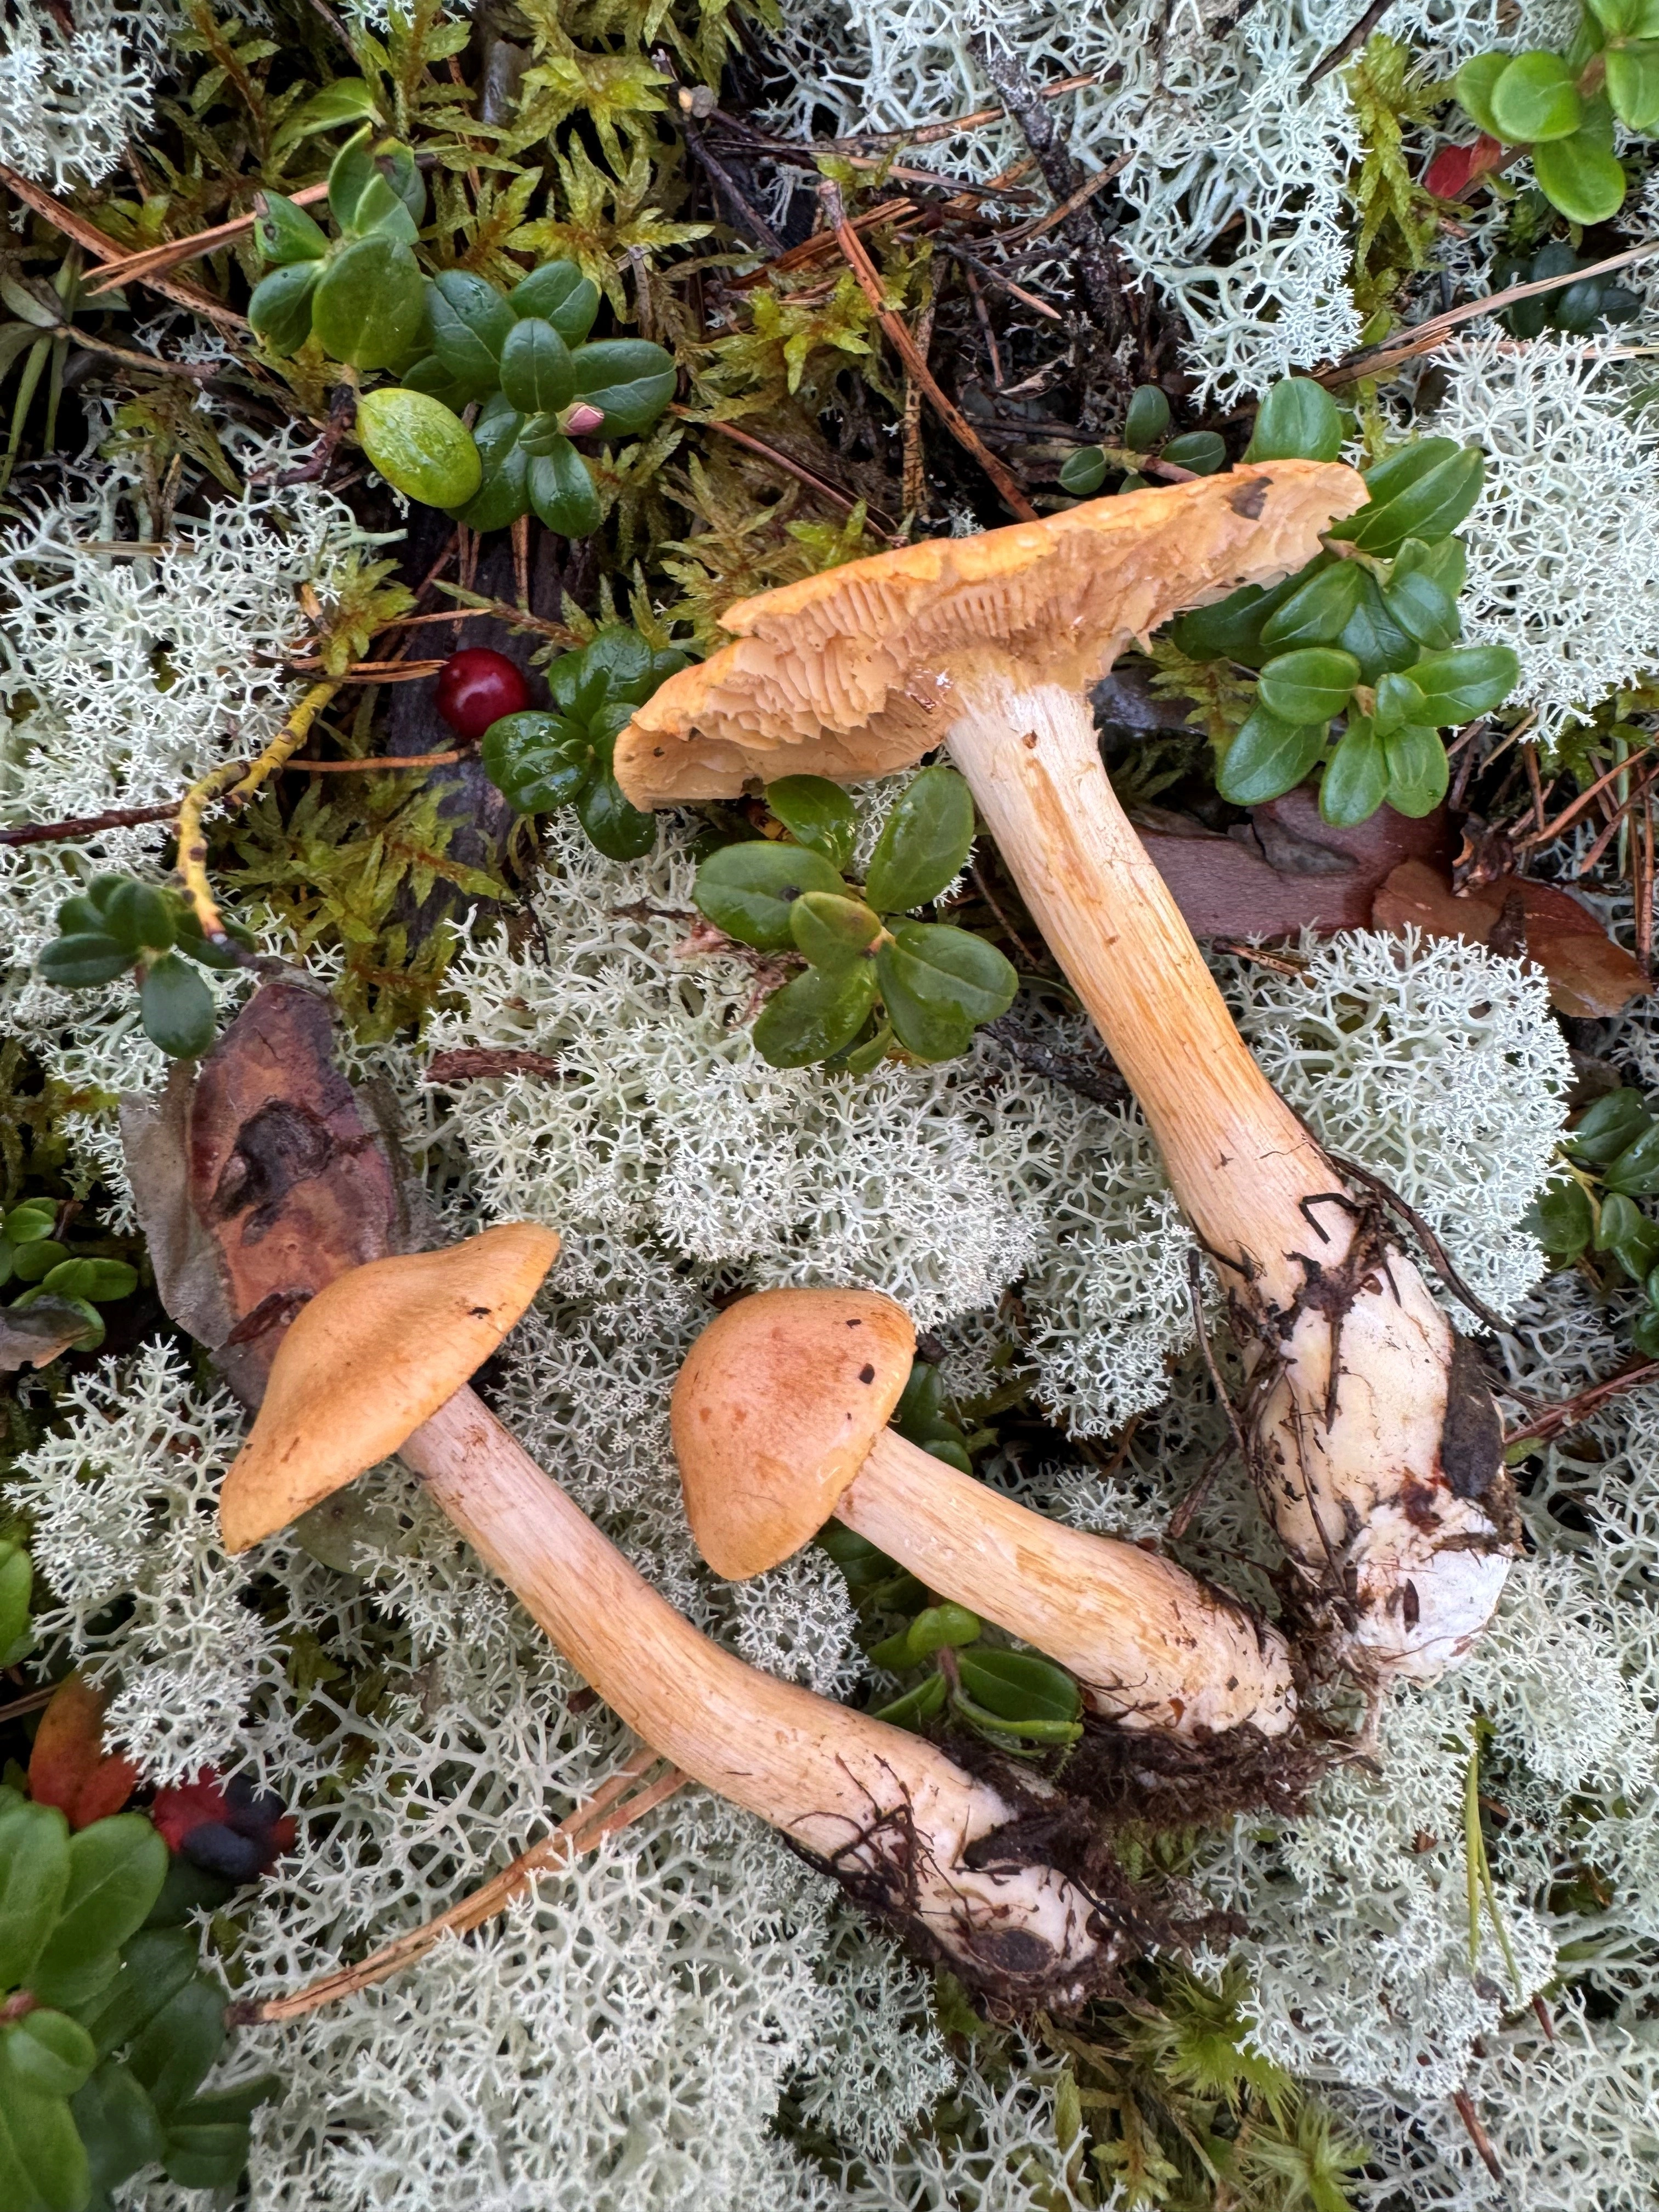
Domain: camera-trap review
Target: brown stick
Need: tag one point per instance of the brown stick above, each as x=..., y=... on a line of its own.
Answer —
x=105, y=249
x=1566, y=1413
x=374, y=761
x=1427, y=336
x=904, y=345
x=795, y=469
x=139, y=268
x=584, y=1829
x=1478, y=2136
x=1347, y=44
x=1069, y=206
x=89, y=825
x=1546, y=831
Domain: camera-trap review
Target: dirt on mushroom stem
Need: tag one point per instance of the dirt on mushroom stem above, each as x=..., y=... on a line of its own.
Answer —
x=1376, y=1446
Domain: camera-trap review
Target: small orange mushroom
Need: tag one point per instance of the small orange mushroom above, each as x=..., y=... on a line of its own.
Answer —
x=1373, y=1440
x=780, y=1416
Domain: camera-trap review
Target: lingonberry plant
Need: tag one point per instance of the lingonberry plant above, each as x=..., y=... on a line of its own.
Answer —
x=1355, y=665
x=1589, y=1216
x=117, y=926
x=541, y=759
x=455, y=340
x=32, y=1253
x=873, y=978
x=1561, y=106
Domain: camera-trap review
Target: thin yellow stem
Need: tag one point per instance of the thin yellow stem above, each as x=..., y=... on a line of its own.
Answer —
x=236, y=783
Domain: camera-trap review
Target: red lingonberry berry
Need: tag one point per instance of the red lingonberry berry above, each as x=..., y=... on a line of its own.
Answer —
x=476, y=687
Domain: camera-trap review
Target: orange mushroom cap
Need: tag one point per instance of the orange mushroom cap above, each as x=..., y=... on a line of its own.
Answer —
x=774, y=1414
x=851, y=673
x=371, y=1357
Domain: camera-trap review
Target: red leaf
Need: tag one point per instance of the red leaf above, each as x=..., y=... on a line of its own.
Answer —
x=1590, y=976
x=1456, y=171
x=69, y=1767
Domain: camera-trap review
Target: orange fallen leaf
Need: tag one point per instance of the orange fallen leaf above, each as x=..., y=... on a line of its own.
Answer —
x=69, y=1767
x=1590, y=976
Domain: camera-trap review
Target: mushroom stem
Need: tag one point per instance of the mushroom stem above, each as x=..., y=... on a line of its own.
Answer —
x=1152, y=1646
x=885, y=1812
x=1375, y=1445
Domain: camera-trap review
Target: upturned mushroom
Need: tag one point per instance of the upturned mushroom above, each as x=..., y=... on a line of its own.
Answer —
x=377, y=1362
x=779, y=1417
x=1373, y=1439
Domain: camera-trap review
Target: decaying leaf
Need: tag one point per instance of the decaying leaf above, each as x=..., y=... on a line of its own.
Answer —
x=1590, y=976
x=1285, y=869
x=260, y=1177
x=35, y=1336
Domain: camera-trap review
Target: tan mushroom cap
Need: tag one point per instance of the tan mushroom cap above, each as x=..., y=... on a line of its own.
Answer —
x=774, y=1414
x=850, y=673
x=371, y=1357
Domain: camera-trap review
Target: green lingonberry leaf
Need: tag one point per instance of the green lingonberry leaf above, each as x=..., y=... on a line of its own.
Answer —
x=419, y=447
x=1580, y=174
x=1561, y=1219
x=629, y=380
x=1373, y=636
x=1083, y=471
x=1635, y=1171
x=1268, y=757
x=1317, y=612
x=1020, y=1686
x=831, y=931
x=916, y=1705
x=280, y=310
x=939, y=984
x=98, y=1281
x=34, y=1872
x=748, y=890
x=1201, y=451
x=284, y=232
x=1310, y=686
x=1424, y=491
x=615, y=826
x=77, y=962
x=118, y=2124
x=1297, y=420
x=116, y=1869
x=1146, y=421
x=815, y=1015
x=563, y=491
x=1232, y=629
x=369, y=304
x=923, y=843
x=1604, y=1129
x=559, y=294
x=470, y=325
x=176, y=1008
x=537, y=761
x=1467, y=681
x=1399, y=701
x=503, y=493
x=1626, y=1232
x=537, y=372
x=1474, y=83
x=1356, y=779
x=817, y=813
x=1418, y=769
x=1535, y=98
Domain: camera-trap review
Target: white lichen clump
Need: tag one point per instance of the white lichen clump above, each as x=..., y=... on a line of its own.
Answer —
x=1564, y=546
x=75, y=89
x=1233, y=179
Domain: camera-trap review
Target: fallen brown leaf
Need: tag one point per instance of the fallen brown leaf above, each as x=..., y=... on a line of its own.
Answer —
x=1590, y=976
x=35, y=1337
x=1285, y=869
x=259, y=1178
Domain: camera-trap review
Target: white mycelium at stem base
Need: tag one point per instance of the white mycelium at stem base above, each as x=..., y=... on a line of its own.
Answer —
x=371, y=1366
x=1384, y=1471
